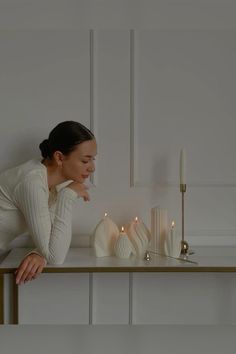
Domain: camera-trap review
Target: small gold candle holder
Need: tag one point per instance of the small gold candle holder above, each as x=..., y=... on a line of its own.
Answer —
x=147, y=256
x=184, y=243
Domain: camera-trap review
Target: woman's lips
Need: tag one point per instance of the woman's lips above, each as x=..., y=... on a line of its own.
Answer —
x=85, y=176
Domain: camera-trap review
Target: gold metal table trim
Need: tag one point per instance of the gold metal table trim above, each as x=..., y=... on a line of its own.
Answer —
x=15, y=287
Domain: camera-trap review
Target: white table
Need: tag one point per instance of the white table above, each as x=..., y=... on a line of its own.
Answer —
x=83, y=260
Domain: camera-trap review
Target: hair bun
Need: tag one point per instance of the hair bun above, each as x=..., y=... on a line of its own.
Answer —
x=45, y=148
x=65, y=137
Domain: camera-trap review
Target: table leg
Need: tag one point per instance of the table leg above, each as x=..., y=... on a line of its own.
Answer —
x=1, y=298
x=15, y=302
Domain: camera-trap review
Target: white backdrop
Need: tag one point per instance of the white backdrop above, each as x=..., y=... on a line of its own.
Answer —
x=30, y=108
x=146, y=94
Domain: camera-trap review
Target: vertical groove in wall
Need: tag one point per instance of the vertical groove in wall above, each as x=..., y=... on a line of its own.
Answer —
x=93, y=177
x=91, y=54
x=132, y=115
x=130, y=298
x=90, y=298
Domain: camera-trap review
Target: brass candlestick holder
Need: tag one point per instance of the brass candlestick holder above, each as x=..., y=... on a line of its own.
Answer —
x=184, y=244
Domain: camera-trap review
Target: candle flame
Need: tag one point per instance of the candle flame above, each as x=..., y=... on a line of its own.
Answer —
x=173, y=224
x=122, y=229
x=105, y=214
x=136, y=219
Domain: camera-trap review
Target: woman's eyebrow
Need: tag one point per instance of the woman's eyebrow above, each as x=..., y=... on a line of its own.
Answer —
x=89, y=155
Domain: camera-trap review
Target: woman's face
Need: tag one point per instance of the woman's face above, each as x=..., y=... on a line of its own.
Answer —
x=79, y=164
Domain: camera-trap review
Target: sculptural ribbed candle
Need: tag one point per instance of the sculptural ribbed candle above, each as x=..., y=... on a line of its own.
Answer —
x=104, y=237
x=139, y=235
x=123, y=247
x=142, y=230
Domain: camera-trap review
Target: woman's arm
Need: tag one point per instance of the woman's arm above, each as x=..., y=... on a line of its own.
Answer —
x=52, y=240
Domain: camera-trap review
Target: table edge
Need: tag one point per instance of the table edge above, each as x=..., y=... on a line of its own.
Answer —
x=188, y=269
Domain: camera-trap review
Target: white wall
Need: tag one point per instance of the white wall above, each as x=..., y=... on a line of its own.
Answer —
x=146, y=94
x=45, y=76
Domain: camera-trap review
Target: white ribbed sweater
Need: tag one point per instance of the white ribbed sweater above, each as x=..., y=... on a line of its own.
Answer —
x=27, y=205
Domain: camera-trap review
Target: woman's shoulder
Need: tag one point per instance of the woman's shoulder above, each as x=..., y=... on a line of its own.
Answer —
x=25, y=167
x=31, y=170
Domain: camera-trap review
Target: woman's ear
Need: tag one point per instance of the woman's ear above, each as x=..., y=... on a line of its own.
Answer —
x=59, y=157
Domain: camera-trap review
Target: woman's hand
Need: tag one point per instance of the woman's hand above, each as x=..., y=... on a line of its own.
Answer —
x=30, y=267
x=80, y=188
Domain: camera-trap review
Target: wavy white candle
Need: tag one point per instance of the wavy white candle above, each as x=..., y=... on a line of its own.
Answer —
x=139, y=236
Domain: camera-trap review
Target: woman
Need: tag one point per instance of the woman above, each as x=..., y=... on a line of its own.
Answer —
x=30, y=202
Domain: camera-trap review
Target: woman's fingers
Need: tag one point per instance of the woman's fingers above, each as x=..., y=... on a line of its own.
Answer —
x=29, y=268
x=31, y=272
x=81, y=189
x=86, y=198
x=27, y=272
x=39, y=271
x=20, y=271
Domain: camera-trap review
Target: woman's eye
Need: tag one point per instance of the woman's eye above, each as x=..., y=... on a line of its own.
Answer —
x=88, y=161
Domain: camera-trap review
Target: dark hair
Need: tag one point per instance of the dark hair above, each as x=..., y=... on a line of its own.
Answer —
x=64, y=137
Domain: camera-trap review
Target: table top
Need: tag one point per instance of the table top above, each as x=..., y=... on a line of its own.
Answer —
x=78, y=260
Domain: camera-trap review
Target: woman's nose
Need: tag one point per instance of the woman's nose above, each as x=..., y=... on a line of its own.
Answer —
x=91, y=168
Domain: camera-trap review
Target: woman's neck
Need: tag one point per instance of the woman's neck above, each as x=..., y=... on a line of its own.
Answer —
x=54, y=176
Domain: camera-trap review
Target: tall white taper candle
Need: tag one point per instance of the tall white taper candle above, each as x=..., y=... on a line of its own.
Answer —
x=182, y=167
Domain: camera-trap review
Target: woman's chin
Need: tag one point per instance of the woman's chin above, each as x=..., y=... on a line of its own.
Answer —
x=81, y=179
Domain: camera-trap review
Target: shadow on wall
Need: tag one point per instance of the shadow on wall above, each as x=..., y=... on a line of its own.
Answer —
x=159, y=170
x=159, y=188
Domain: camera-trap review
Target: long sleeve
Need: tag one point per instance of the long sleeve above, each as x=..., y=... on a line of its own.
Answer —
x=51, y=239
